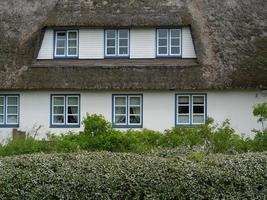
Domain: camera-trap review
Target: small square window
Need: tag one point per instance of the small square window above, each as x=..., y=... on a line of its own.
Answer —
x=9, y=111
x=117, y=43
x=127, y=110
x=66, y=44
x=168, y=42
x=65, y=110
x=190, y=109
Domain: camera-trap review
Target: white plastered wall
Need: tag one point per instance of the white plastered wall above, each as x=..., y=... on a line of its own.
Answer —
x=158, y=109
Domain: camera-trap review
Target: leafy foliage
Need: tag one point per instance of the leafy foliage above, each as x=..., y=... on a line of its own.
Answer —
x=105, y=175
x=99, y=135
x=260, y=111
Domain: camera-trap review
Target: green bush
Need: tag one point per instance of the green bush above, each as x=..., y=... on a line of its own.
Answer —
x=103, y=175
x=95, y=125
x=99, y=135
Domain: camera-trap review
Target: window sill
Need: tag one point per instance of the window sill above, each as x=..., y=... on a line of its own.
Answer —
x=9, y=126
x=65, y=126
x=127, y=126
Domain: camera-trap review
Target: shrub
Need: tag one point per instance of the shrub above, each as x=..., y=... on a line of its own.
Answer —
x=96, y=124
x=103, y=175
x=99, y=135
x=260, y=111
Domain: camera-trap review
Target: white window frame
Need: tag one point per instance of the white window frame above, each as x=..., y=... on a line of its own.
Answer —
x=3, y=114
x=169, y=45
x=116, y=105
x=158, y=38
x=66, y=46
x=127, y=108
x=128, y=38
x=65, y=109
x=5, y=106
x=177, y=109
x=191, y=107
x=204, y=108
x=117, y=45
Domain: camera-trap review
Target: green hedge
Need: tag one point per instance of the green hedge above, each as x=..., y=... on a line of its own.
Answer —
x=103, y=175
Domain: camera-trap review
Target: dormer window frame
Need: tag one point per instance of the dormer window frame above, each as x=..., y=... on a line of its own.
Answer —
x=117, y=40
x=66, y=46
x=169, y=45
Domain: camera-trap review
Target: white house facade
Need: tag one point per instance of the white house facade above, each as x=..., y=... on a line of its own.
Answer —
x=140, y=64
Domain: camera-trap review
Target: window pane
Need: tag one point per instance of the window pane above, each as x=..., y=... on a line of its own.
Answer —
x=60, y=43
x=198, y=99
x=72, y=119
x=73, y=110
x=123, y=42
x=12, y=110
x=175, y=50
x=59, y=119
x=58, y=110
x=175, y=33
x=73, y=101
x=198, y=119
x=175, y=42
x=1, y=100
x=72, y=35
x=198, y=109
x=163, y=33
x=120, y=101
x=111, y=42
x=61, y=35
x=183, y=119
x=1, y=109
x=123, y=50
x=111, y=34
x=120, y=119
x=60, y=52
x=12, y=119
x=72, y=51
x=59, y=101
x=123, y=33
x=135, y=119
x=135, y=100
x=135, y=110
x=183, y=100
x=163, y=50
x=163, y=42
x=12, y=101
x=1, y=119
x=183, y=109
x=72, y=43
x=110, y=51
x=120, y=110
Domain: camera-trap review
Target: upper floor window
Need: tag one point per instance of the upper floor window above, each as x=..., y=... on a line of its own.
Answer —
x=168, y=42
x=127, y=110
x=65, y=110
x=9, y=110
x=190, y=109
x=66, y=44
x=117, y=43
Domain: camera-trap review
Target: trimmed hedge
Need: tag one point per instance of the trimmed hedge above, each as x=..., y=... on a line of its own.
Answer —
x=106, y=175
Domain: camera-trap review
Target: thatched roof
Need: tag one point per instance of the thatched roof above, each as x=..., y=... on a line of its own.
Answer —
x=230, y=39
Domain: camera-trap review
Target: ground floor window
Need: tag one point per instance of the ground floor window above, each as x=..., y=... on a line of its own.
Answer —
x=127, y=110
x=9, y=110
x=65, y=110
x=190, y=109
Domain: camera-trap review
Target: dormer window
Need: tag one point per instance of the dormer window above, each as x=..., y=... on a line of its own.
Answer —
x=117, y=43
x=66, y=44
x=168, y=42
